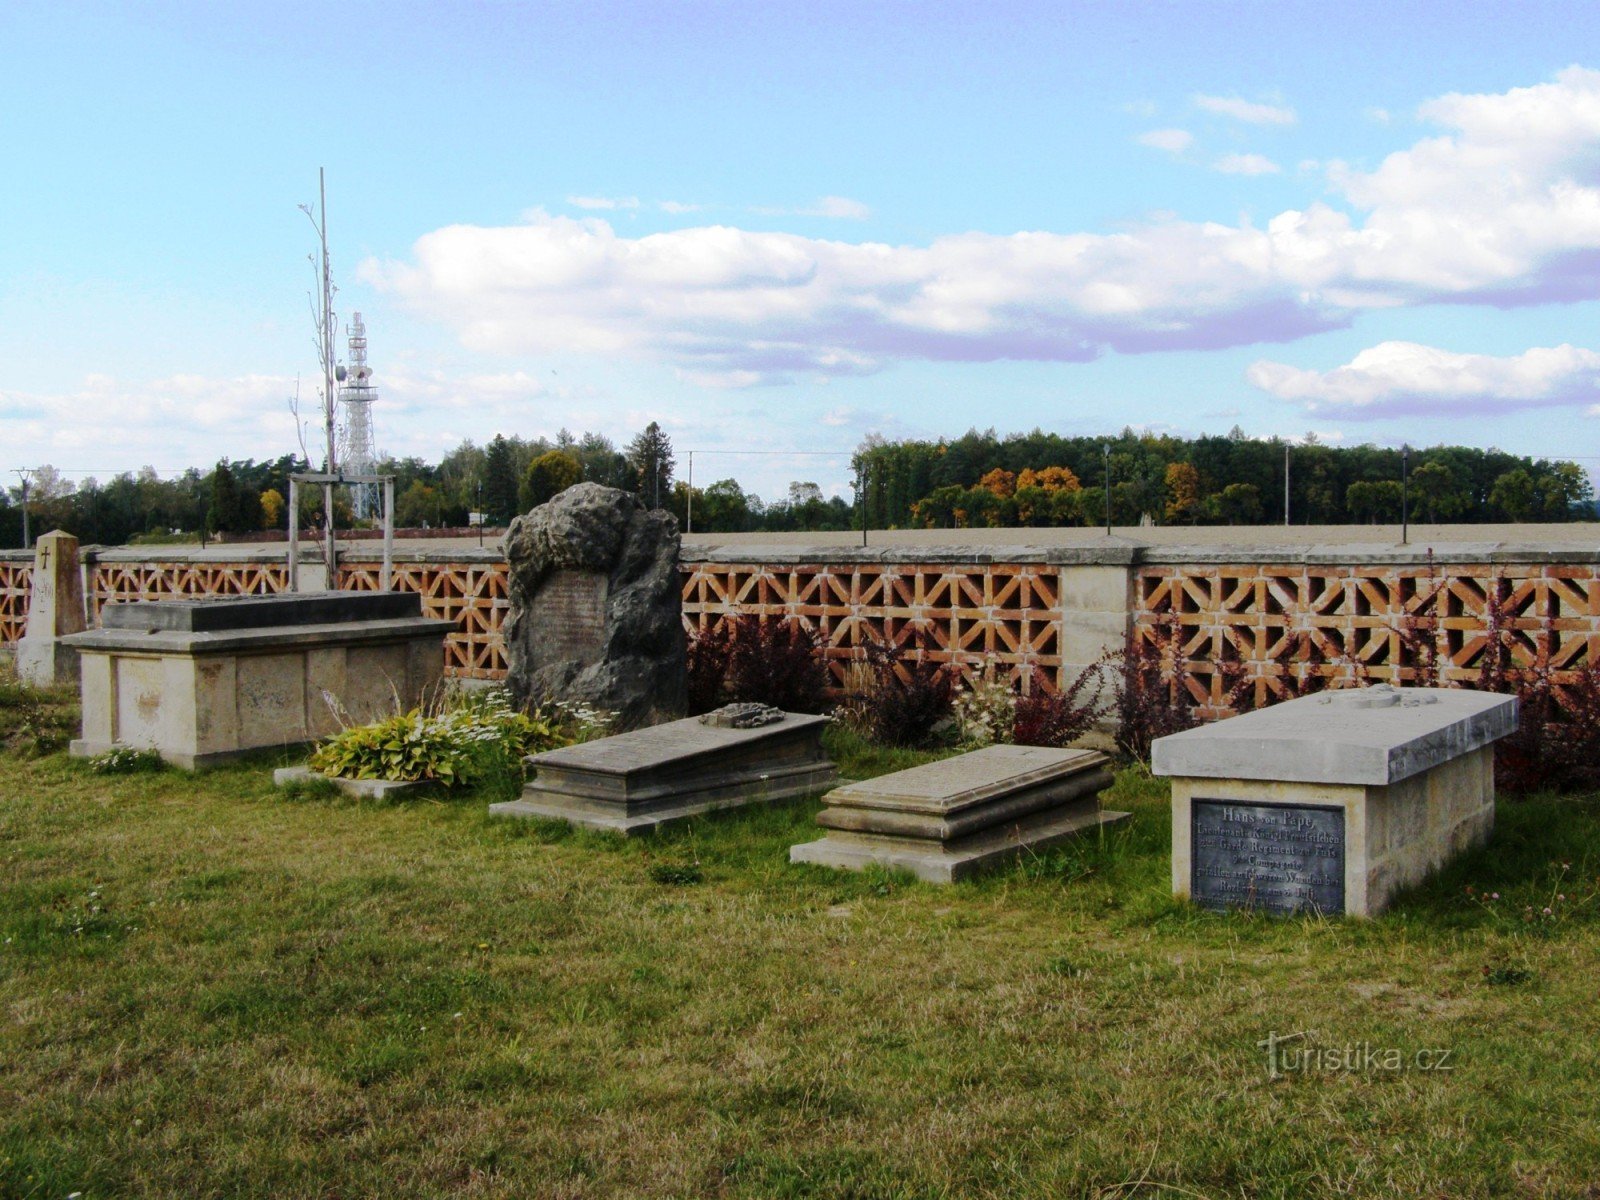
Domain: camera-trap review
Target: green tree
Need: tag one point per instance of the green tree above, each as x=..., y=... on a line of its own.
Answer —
x=222, y=514
x=650, y=456
x=1240, y=503
x=549, y=475
x=1515, y=497
x=419, y=505
x=499, y=482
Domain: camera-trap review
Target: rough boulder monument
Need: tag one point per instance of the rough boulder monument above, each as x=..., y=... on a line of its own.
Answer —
x=596, y=606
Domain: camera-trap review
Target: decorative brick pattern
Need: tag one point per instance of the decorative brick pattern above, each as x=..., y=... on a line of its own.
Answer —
x=1007, y=615
x=473, y=595
x=116, y=581
x=16, y=585
x=1247, y=631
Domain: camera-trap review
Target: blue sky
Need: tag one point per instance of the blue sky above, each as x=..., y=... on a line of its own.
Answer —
x=781, y=228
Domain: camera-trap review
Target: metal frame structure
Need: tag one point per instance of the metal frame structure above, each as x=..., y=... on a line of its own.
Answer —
x=328, y=480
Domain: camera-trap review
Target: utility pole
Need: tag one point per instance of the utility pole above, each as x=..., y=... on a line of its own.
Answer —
x=1107, y=449
x=324, y=316
x=27, y=477
x=1405, y=484
x=688, y=512
x=1286, y=483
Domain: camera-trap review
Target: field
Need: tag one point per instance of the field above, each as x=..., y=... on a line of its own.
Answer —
x=211, y=989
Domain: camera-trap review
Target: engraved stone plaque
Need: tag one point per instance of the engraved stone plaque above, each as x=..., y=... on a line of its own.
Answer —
x=570, y=612
x=1283, y=858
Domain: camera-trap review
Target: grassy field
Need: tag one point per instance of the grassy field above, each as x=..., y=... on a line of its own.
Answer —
x=208, y=989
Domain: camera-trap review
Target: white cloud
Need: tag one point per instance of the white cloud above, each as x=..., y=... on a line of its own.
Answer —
x=1503, y=210
x=834, y=207
x=1244, y=110
x=1173, y=141
x=603, y=203
x=1404, y=377
x=1381, y=115
x=676, y=206
x=1246, y=164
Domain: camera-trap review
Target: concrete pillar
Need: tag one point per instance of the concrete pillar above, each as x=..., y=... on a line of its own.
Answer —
x=55, y=609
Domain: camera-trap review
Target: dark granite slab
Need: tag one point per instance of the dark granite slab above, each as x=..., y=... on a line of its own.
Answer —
x=228, y=613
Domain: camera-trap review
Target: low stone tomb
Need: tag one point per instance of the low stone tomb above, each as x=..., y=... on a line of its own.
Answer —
x=946, y=820
x=634, y=783
x=203, y=681
x=1331, y=803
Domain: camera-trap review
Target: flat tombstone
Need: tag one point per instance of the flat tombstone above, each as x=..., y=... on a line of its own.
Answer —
x=949, y=819
x=55, y=610
x=636, y=782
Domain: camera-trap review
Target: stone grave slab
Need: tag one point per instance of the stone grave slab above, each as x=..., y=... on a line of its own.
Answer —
x=1332, y=803
x=946, y=820
x=633, y=783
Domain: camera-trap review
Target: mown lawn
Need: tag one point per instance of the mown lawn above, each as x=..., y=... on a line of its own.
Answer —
x=207, y=989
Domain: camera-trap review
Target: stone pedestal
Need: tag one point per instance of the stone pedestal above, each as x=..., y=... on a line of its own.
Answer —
x=947, y=820
x=55, y=611
x=636, y=782
x=1332, y=803
x=204, y=681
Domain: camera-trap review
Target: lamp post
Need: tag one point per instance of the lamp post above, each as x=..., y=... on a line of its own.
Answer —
x=1405, y=487
x=1107, y=449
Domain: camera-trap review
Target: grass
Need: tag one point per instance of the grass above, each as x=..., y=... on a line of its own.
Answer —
x=208, y=989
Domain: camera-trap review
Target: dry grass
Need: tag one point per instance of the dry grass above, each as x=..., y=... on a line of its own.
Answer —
x=210, y=990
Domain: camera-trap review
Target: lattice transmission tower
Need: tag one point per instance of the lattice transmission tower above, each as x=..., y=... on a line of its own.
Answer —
x=357, y=394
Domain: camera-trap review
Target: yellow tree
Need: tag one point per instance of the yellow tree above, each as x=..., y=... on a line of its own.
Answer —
x=1000, y=482
x=1183, y=491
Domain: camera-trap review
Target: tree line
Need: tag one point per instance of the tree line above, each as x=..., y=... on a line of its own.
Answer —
x=1045, y=479
x=498, y=480
x=978, y=479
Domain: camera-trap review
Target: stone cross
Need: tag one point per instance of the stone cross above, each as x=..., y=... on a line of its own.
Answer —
x=55, y=610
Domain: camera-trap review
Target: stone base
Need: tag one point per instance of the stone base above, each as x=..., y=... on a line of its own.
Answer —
x=935, y=862
x=45, y=662
x=730, y=792
x=360, y=789
x=182, y=759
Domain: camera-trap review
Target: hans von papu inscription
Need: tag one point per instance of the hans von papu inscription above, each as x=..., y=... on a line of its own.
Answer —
x=1283, y=858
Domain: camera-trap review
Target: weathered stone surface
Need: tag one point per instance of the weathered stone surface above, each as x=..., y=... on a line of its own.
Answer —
x=638, y=781
x=950, y=819
x=201, y=698
x=217, y=614
x=55, y=611
x=1332, y=803
x=596, y=605
x=742, y=716
x=1377, y=735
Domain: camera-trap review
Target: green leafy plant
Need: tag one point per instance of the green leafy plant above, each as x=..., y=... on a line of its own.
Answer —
x=462, y=739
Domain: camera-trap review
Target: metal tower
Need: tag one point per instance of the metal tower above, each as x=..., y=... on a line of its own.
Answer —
x=356, y=393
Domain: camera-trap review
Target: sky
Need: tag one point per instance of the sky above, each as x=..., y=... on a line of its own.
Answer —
x=779, y=228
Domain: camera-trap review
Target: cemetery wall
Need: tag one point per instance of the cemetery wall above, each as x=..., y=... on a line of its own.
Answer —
x=1239, y=621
